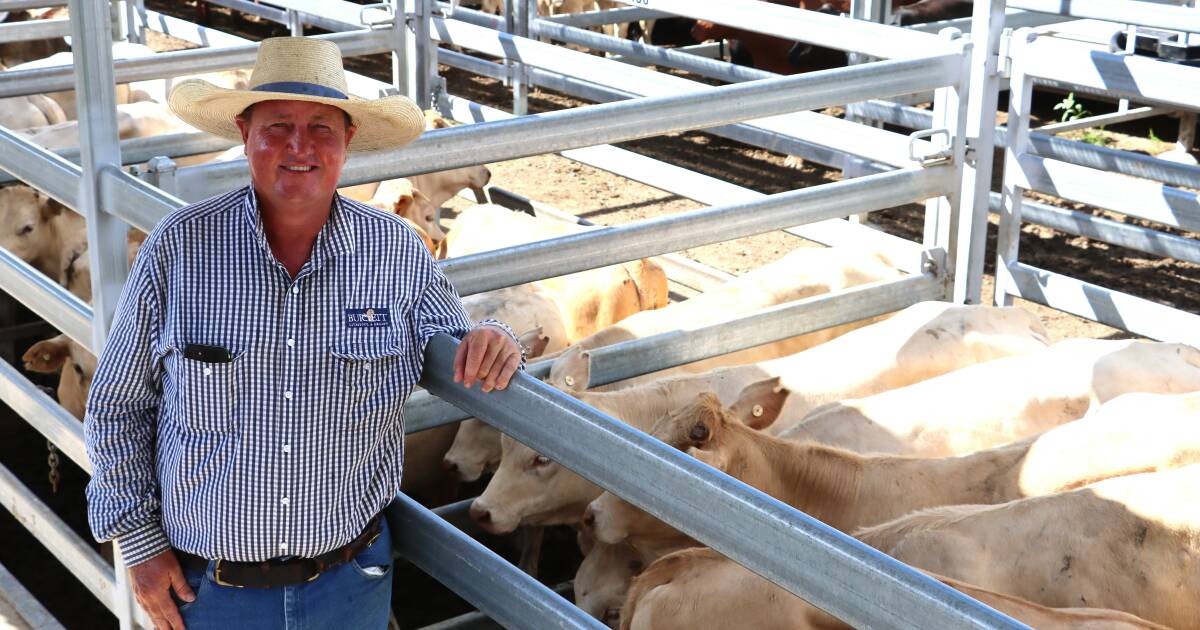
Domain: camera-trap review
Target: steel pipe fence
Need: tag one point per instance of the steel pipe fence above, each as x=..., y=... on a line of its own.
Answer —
x=650, y=237
x=43, y=414
x=477, y=574
x=667, y=350
x=40, y=168
x=1134, y=197
x=603, y=17
x=133, y=151
x=772, y=539
x=1152, y=14
x=34, y=29
x=47, y=298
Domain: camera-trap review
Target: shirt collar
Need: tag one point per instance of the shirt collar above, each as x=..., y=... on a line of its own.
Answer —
x=335, y=238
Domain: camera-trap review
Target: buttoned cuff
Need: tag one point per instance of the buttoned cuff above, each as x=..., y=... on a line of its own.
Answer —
x=142, y=544
x=508, y=331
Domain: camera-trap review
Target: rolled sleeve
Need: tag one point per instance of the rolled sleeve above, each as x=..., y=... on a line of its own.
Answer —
x=142, y=544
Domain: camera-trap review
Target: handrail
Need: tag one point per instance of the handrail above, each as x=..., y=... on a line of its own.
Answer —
x=801, y=554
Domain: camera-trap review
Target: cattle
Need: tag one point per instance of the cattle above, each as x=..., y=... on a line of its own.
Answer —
x=1126, y=543
x=125, y=93
x=75, y=364
x=603, y=578
x=34, y=110
x=803, y=273
x=628, y=288
x=931, y=11
x=1000, y=401
x=1130, y=434
x=700, y=588
x=40, y=230
x=773, y=54
x=134, y=120
x=920, y=342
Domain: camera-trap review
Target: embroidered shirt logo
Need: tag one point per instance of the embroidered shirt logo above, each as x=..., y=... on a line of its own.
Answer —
x=367, y=318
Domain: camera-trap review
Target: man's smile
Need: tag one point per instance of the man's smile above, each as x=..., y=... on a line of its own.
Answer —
x=298, y=169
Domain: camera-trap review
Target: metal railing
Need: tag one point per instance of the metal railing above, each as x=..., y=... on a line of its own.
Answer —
x=1125, y=75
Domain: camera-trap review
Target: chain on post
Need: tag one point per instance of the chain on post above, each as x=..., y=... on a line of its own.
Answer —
x=52, y=461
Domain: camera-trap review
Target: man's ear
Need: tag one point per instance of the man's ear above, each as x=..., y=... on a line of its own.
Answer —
x=350, y=131
x=244, y=127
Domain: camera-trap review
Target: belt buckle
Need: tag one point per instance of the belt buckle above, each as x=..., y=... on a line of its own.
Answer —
x=217, y=576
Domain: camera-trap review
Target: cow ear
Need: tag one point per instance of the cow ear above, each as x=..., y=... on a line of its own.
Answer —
x=534, y=343
x=572, y=370
x=48, y=207
x=403, y=205
x=759, y=404
x=47, y=356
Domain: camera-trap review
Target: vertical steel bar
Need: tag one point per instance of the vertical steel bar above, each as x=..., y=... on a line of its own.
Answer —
x=987, y=26
x=401, y=38
x=424, y=53
x=949, y=113
x=91, y=32
x=295, y=24
x=1008, y=237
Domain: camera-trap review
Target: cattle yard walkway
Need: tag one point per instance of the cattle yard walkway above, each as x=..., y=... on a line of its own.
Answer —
x=19, y=610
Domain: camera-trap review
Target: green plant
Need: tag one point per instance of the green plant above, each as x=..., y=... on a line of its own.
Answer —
x=1095, y=136
x=1071, y=109
x=1153, y=137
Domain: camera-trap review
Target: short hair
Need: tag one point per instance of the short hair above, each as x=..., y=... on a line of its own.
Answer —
x=246, y=113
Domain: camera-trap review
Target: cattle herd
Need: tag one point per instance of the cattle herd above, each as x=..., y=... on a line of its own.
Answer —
x=1052, y=481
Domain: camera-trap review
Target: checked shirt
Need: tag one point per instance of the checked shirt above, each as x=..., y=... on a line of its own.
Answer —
x=292, y=445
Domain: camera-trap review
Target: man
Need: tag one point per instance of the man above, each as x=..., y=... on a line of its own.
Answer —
x=245, y=424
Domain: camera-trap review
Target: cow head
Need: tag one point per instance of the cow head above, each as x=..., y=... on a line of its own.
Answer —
x=603, y=580
x=572, y=370
x=74, y=363
x=28, y=230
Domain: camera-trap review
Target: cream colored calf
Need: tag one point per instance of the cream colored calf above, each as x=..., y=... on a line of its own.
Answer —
x=1128, y=544
x=1002, y=400
x=919, y=342
x=700, y=588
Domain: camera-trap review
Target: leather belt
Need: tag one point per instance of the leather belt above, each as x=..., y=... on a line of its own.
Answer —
x=283, y=572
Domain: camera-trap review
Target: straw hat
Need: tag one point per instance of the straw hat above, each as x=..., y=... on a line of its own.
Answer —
x=299, y=69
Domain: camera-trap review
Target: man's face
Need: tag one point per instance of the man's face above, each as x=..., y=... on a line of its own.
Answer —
x=296, y=149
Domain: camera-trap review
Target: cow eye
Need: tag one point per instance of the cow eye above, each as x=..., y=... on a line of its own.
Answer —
x=540, y=460
x=611, y=616
x=25, y=230
x=699, y=432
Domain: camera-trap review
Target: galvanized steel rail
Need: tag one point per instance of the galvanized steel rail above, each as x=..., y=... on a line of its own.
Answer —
x=808, y=558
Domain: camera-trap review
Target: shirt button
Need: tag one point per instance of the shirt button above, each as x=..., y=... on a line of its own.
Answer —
x=287, y=395
x=366, y=367
x=295, y=289
x=207, y=371
x=287, y=448
x=283, y=547
x=284, y=501
x=291, y=343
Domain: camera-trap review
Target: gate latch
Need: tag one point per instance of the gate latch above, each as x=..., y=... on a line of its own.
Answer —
x=941, y=152
x=368, y=15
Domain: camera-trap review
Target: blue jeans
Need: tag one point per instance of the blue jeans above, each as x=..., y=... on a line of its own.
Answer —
x=353, y=595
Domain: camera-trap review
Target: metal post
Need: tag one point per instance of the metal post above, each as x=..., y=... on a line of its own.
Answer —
x=425, y=67
x=91, y=33
x=1008, y=237
x=855, y=166
x=986, y=31
x=295, y=24
x=400, y=43
x=949, y=113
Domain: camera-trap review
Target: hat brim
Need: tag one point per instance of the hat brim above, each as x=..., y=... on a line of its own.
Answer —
x=386, y=123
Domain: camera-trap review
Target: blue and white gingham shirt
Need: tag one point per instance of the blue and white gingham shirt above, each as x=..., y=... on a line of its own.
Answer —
x=291, y=447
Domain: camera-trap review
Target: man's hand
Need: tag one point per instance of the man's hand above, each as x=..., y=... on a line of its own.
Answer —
x=487, y=355
x=152, y=582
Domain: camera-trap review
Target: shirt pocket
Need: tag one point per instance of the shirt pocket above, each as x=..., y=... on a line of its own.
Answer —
x=208, y=394
x=372, y=379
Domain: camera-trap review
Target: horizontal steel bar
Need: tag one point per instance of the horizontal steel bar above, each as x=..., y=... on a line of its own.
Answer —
x=1104, y=305
x=477, y=574
x=40, y=168
x=1139, y=78
x=587, y=19
x=136, y=202
x=1013, y=18
x=333, y=15
x=34, y=29
x=1153, y=14
x=1099, y=228
x=138, y=150
x=1056, y=148
x=641, y=356
x=854, y=582
x=253, y=8
x=43, y=414
x=1136, y=197
x=80, y=560
x=1099, y=120
x=607, y=123
x=711, y=191
x=788, y=22
x=178, y=63
x=466, y=621
x=568, y=254
x=46, y=297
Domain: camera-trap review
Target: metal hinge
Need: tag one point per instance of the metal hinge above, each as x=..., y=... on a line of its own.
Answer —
x=1003, y=61
x=942, y=153
x=159, y=172
x=933, y=262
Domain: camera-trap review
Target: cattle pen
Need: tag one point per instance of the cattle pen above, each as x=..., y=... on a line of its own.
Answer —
x=946, y=164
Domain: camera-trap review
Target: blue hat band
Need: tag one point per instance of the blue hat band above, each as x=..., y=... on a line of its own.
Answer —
x=300, y=87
